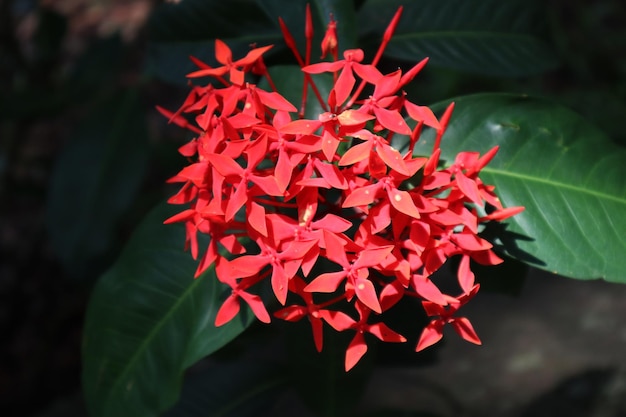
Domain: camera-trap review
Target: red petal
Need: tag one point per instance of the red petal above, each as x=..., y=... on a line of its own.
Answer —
x=470, y=241
x=422, y=114
x=427, y=289
x=209, y=257
x=324, y=67
x=407, y=77
x=362, y=196
x=366, y=293
x=330, y=144
x=331, y=174
x=302, y=127
x=223, y=53
x=275, y=101
x=353, y=118
x=335, y=249
x=338, y=320
x=393, y=159
x=368, y=72
x=257, y=306
x=256, y=218
x=356, y=349
x=225, y=165
x=431, y=334
x=283, y=170
x=197, y=173
x=332, y=223
x=391, y=294
x=297, y=249
x=392, y=120
x=318, y=332
x=291, y=313
x=487, y=257
x=356, y=153
x=387, y=85
x=469, y=188
x=236, y=201
x=465, y=275
x=253, y=55
x=402, y=201
x=327, y=282
x=268, y=184
x=227, y=311
x=182, y=216
x=245, y=266
x=280, y=283
x=373, y=256
x=465, y=329
x=384, y=333
x=344, y=85
x=503, y=213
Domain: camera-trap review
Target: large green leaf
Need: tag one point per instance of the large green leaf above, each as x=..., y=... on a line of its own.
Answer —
x=149, y=320
x=568, y=175
x=237, y=389
x=95, y=180
x=490, y=37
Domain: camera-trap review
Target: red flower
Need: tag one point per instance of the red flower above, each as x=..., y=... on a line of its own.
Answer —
x=357, y=347
x=224, y=56
x=433, y=332
x=283, y=197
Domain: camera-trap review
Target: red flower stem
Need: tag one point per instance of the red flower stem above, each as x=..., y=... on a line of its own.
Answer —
x=291, y=44
x=267, y=76
x=391, y=28
x=275, y=203
x=415, y=135
x=389, y=136
x=331, y=302
x=250, y=281
x=445, y=118
x=308, y=33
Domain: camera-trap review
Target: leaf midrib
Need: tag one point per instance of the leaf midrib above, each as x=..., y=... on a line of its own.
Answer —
x=151, y=335
x=556, y=184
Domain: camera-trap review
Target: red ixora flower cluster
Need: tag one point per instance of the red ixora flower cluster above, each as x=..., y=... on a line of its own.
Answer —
x=282, y=197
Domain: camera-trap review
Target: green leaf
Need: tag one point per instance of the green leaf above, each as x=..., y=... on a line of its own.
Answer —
x=239, y=389
x=570, y=177
x=95, y=180
x=195, y=20
x=489, y=37
x=149, y=320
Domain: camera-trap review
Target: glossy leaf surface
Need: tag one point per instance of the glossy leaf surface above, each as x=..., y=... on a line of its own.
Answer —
x=148, y=321
x=570, y=177
x=488, y=37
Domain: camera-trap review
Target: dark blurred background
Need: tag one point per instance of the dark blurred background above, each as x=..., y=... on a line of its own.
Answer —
x=74, y=88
